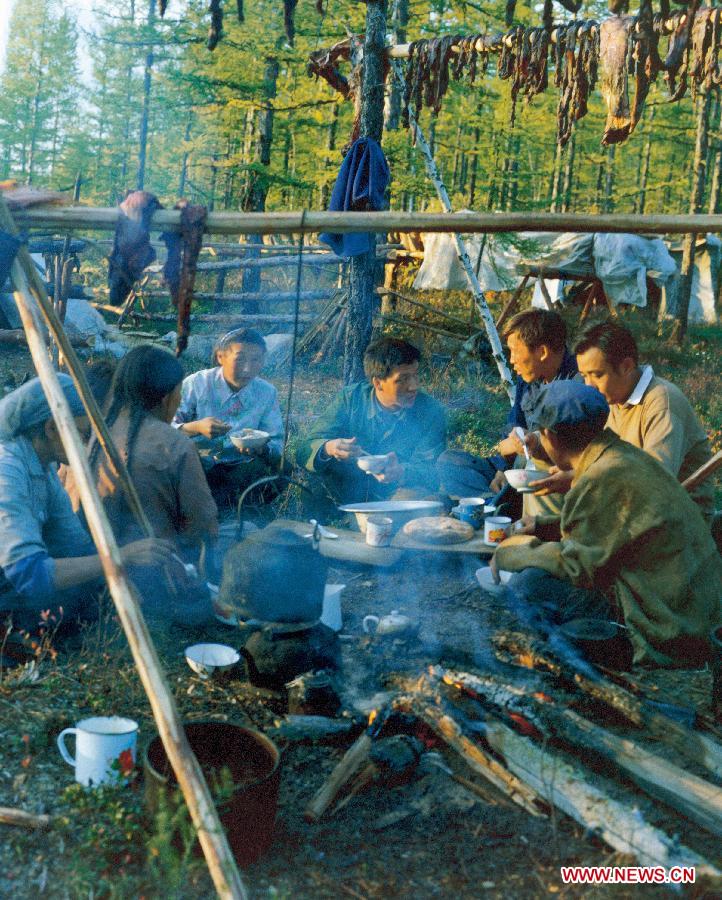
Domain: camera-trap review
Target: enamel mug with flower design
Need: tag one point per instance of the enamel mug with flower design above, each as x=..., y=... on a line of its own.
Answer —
x=105, y=750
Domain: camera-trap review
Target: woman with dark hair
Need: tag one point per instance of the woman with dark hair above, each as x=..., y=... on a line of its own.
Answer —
x=163, y=463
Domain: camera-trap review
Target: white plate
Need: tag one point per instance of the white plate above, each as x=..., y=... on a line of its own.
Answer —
x=487, y=583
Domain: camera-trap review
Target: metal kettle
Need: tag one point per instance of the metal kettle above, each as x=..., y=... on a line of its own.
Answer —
x=274, y=575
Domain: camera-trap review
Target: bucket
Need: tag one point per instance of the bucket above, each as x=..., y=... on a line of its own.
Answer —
x=249, y=813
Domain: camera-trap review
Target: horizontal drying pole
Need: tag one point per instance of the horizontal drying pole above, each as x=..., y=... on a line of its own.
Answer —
x=88, y=218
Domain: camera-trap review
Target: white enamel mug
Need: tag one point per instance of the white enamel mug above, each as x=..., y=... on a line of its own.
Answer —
x=105, y=749
x=379, y=530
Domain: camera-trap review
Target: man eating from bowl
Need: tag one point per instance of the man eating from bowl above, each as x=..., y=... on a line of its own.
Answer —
x=222, y=402
x=630, y=545
x=649, y=412
x=385, y=416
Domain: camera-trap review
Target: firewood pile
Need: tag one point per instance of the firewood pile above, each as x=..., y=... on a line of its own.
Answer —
x=545, y=732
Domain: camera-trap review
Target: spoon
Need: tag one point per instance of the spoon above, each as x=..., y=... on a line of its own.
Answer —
x=519, y=431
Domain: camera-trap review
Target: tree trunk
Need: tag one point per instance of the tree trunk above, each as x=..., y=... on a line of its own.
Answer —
x=184, y=162
x=147, y=78
x=363, y=269
x=568, y=175
x=255, y=199
x=35, y=126
x=715, y=192
x=555, y=176
x=331, y=147
x=399, y=21
x=695, y=205
x=644, y=167
x=609, y=179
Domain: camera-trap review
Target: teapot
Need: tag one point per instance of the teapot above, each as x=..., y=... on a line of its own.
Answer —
x=393, y=625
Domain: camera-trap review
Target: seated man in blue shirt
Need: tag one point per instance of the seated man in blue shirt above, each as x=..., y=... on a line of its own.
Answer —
x=536, y=339
x=387, y=414
x=47, y=560
x=228, y=398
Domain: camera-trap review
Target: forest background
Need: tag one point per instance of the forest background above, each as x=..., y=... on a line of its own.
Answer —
x=146, y=104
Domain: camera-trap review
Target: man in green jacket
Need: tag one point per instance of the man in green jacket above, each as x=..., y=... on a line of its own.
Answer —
x=388, y=414
x=630, y=544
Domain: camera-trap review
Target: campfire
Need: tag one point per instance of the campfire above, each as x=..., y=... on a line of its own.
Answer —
x=543, y=733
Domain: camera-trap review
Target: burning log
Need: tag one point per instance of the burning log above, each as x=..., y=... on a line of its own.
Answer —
x=353, y=760
x=695, y=798
x=313, y=728
x=448, y=731
x=694, y=746
x=564, y=784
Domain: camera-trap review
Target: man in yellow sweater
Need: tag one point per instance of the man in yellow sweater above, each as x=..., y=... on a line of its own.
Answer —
x=629, y=545
x=645, y=410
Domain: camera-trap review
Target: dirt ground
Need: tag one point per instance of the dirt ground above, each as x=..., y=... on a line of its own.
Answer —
x=429, y=838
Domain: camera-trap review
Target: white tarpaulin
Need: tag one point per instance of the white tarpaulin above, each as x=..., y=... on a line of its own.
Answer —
x=442, y=271
x=705, y=282
x=621, y=261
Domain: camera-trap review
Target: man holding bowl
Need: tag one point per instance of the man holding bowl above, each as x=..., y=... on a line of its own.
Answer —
x=382, y=437
x=218, y=408
x=630, y=545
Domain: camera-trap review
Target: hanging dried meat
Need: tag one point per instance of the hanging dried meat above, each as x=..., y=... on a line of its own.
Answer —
x=523, y=60
x=614, y=78
x=179, y=270
x=576, y=56
x=471, y=61
x=677, y=62
x=427, y=74
x=703, y=67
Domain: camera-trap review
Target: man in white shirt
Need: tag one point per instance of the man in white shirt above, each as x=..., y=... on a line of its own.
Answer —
x=227, y=398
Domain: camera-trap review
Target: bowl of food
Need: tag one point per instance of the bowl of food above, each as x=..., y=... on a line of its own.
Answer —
x=211, y=659
x=399, y=511
x=249, y=439
x=373, y=464
x=520, y=479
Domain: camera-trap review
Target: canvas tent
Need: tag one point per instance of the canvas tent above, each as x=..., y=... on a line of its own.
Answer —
x=621, y=261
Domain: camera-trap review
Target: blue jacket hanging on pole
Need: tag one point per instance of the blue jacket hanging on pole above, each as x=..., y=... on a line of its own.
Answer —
x=360, y=186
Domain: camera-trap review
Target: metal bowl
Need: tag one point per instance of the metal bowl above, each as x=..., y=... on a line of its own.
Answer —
x=211, y=659
x=374, y=465
x=399, y=511
x=250, y=439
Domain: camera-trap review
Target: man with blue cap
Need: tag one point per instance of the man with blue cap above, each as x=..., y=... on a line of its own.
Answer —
x=629, y=545
x=47, y=560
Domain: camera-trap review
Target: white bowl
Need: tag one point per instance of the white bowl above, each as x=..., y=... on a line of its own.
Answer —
x=487, y=583
x=207, y=659
x=250, y=439
x=399, y=511
x=374, y=465
x=520, y=478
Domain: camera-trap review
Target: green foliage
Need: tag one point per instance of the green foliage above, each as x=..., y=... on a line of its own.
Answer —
x=205, y=109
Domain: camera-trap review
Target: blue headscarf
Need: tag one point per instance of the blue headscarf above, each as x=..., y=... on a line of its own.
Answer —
x=27, y=407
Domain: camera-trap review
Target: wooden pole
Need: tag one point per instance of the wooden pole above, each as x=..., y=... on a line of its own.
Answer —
x=704, y=472
x=485, y=313
x=87, y=218
x=218, y=855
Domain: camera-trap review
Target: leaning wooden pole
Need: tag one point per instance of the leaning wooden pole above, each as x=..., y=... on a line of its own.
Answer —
x=433, y=172
x=221, y=863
